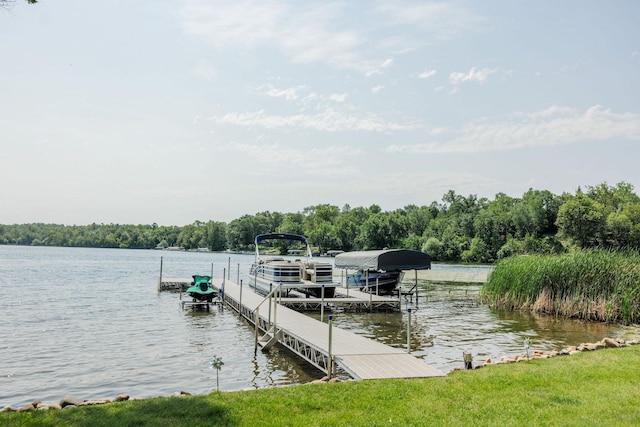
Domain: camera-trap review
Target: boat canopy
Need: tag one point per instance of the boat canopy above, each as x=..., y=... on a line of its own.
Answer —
x=282, y=236
x=386, y=260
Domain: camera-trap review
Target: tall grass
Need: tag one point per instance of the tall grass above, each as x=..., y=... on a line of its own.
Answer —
x=590, y=284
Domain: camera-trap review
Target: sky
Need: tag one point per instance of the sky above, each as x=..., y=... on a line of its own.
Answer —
x=171, y=112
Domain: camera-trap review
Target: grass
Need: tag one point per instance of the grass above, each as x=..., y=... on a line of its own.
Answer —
x=591, y=285
x=594, y=388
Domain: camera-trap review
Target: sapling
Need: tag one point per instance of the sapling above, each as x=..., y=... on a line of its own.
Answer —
x=216, y=363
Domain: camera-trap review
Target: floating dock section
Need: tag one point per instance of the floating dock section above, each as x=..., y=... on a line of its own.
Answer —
x=325, y=346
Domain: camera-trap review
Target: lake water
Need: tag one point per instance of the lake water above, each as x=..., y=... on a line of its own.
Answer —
x=91, y=323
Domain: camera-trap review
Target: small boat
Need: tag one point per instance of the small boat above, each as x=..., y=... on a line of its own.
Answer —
x=312, y=278
x=380, y=271
x=201, y=289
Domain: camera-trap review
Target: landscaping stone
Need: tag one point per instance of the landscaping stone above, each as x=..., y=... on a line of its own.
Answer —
x=70, y=401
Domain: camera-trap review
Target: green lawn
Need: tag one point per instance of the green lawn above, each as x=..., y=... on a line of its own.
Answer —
x=600, y=388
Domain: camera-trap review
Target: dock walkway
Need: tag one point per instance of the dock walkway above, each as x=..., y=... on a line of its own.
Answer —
x=359, y=356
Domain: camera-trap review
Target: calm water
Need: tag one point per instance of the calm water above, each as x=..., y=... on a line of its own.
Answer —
x=90, y=323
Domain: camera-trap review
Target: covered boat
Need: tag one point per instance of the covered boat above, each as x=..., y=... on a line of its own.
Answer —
x=313, y=278
x=201, y=289
x=380, y=271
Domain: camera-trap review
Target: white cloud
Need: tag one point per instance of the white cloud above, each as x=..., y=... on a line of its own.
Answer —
x=308, y=33
x=550, y=127
x=329, y=120
x=338, y=97
x=289, y=94
x=374, y=69
x=304, y=33
x=440, y=19
x=377, y=89
x=427, y=74
x=473, y=75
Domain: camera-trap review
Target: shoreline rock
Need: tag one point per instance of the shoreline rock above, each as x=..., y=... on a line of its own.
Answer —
x=567, y=351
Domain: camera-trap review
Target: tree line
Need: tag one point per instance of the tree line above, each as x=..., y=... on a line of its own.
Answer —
x=458, y=228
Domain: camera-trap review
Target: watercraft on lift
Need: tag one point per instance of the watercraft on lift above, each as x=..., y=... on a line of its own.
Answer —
x=201, y=289
x=305, y=275
x=380, y=271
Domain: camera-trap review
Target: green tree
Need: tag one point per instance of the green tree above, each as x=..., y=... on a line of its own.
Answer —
x=348, y=227
x=582, y=220
x=535, y=214
x=292, y=223
x=241, y=232
x=216, y=235
x=320, y=225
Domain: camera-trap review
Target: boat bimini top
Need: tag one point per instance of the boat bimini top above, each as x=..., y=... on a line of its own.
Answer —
x=281, y=236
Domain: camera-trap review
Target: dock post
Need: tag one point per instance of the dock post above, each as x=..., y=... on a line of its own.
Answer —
x=229, y=271
x=160, y=279
x=239, y=273
x=222, y=286
x=270, y=296
x=256, y=320
x=468, y=360
x=409, y=328
x=240, y=298
x=377, y=283
x=346, y=280
x=416, y=272
x=330, y=367
x=275, y=310
x=322, y=303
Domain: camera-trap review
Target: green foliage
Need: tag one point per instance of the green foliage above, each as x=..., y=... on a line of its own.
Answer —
x=582, y=220
x=591, y=284
x=459, y=228
x=433, y=247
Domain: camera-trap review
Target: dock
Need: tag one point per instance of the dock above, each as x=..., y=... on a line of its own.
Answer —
x=323, y=345
x=343, y=300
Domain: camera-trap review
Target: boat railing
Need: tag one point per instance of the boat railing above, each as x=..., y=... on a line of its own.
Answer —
x=277, y=272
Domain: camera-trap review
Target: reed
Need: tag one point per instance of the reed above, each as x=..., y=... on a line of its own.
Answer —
x=593, y=284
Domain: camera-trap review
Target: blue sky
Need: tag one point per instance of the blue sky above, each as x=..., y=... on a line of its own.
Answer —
x=176, y=111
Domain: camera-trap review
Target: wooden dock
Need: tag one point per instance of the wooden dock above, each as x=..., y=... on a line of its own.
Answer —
x=321, y=344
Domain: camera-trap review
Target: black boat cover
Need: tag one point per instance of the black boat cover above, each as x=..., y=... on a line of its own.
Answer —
x=386, y=260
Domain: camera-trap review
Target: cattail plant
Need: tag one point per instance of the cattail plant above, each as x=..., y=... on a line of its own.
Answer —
x=591, y=284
